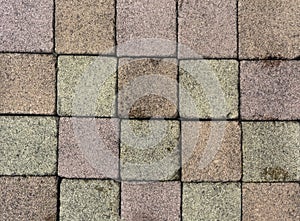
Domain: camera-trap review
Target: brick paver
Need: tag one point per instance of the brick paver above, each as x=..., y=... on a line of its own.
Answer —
x=85, y=153
x=28, y=198
x=27, y=84
x=271, y=201
x=85, y=26
x=149, y=150
x=211, y=201
x=89, y=200
x=269, y=29
x=28, y=145
x=147, y=88
x=271, y=151
x=26, y=26
x=198, y=145
x=270, y=90
x=207, y=29
x=151, y=201
x=208, y=89
x=146, y=27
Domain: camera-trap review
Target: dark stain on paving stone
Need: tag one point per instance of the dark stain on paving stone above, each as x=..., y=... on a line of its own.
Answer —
x=275, y=173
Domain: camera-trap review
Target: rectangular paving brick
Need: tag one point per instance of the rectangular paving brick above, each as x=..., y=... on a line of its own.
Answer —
x=85, y=26
x=271, y=151
x=86, y=86
x=26, y=25
x=211, y=151
x=151, y=201
x=272, y=202
x=28, y=198
x=147, y=88
x=269, y=29
x=149, y=150
x=270, y=90
x=88, y=148
x=89, y=200
x=27, y=84
x=207, y=28
x=208, y=89
x=211, y=201
x=146, y=27
x=28, y=145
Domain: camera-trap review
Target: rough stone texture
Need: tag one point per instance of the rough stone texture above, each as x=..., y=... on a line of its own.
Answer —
x=149, y=150
x=147, y=88
x=146, y=27
x=225, y=164
x=207, y=28
x=151, y=201
x=86, y=86
x=88, y=148
x=270, y=90
x=269, y=28
x=26, y=25
x=211, y=201
x=89, y=200
x=85, y=26
x=28, y=145
x=27, y=84
x=208, y=89
x=271, y=151
x=28, y=198
x=271, y=202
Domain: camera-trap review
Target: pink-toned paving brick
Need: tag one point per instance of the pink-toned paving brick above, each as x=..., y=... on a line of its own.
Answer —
x=151, y=201
x=271, y=201
x=26, y=25
x=270, y=90
x=88, y=148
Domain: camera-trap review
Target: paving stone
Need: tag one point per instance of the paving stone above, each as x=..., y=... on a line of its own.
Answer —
x=272, y=202
x=211, y=151
x=26, y=25
x=89, y=200
x=85, y=26
x=146, y=27
x=88, y=148
x=149, y=150
x=211, y=201
x=86, y=86
x=270, y=90
x=151, y=201
x=271, y=151
x=28, y=198
x=269, y=29
x=207, y=28
x=27, y=84
x=208, y=89
x=147, y=88
x=28, y=145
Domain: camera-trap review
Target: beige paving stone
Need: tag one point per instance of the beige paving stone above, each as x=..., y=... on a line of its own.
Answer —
x=86, y=86
x=208, y=89
x=149, y=150
x=89, y=200
x=27, y=84
x=271, y=151
x=211, y=201
x=85, y=26
x=28, y=145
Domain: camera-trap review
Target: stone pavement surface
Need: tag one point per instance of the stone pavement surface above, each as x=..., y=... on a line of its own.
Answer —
x=141, y=110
